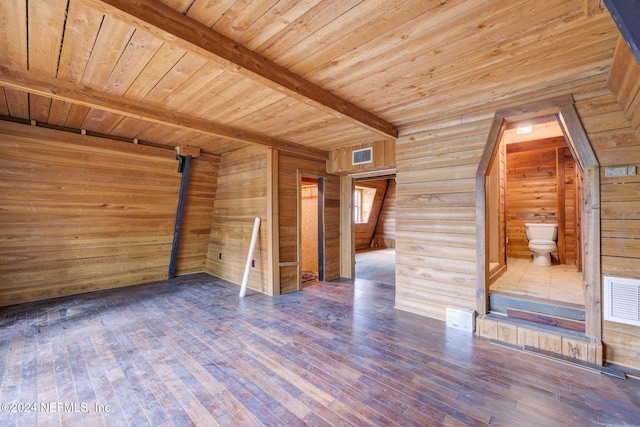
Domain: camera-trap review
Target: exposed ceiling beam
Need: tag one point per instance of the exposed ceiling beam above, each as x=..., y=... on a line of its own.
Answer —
x=177, y=29
x=39, y=84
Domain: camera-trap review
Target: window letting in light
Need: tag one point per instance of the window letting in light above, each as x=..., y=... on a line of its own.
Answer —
x=362, y=203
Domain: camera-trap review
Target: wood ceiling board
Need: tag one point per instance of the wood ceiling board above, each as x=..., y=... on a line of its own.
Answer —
x=548, y=66
x=163, y=61
x=100, y=121
x=76, y=116
x=415, y=50
x=13, y=50
x=373, y=23
x=45, y=27
x=471, y=113
x=111, y=41
x=131, y=127
x=142, y=47
x=81, y=30
x=300, y=31
x=274, y=21
x=453, y=57
x=193, y=85
x=166, y=89
x=171, y=26
x=46, y=86
x=207, y=12
x=239, y=16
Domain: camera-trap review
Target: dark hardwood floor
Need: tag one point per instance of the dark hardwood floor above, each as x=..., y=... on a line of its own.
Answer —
x=190, y=352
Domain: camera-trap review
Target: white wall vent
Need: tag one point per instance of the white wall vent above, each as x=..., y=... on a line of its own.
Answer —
x=362, y=156
x=622, y=300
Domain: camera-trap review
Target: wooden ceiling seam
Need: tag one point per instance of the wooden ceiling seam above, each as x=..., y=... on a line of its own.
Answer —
x=173, y=27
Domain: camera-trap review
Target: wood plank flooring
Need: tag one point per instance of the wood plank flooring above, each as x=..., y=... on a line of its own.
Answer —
x=190, y=352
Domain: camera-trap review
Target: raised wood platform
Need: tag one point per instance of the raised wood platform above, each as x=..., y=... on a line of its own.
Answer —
x=554, y=314
x=190, y=352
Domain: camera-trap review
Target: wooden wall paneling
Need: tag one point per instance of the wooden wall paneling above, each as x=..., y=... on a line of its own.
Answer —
x=560, y=206
x=614, y=142
x=241, y=196
x=532, y=198
x=82, y=213
x=331, y=227
x=309, y=227
x=273, y=219
x=385, y=235
x=198, y=211
x=347, y=236
x=364, y=231
x=425, y=200
x=384, y=157
x=289, y=169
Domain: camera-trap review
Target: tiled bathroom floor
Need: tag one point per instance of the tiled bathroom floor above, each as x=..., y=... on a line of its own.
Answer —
x=561, y=283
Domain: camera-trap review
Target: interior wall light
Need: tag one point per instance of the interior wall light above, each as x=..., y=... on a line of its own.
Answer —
x=523, y=130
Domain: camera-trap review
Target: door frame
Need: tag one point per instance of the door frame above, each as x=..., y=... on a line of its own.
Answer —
x=321, y=242
x=564, y=110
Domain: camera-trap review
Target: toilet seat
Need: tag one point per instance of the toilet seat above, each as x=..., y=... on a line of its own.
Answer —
x=542, y=245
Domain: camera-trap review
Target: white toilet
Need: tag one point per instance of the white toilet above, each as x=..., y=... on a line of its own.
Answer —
x=542, y=241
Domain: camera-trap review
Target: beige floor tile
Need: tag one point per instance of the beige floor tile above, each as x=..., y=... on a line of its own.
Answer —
x=561, y=283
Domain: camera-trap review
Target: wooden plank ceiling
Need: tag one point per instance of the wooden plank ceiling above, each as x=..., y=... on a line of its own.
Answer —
x=305, y=76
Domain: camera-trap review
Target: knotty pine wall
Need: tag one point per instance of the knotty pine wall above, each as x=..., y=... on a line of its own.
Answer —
x=613, y=123
x=309, y=225
x=289, y=169
x=80, y=213
x=364, y=231
x=435, y=223
x=436, y=236
x=241, y=196
x=532, y=194
x=385, y=236
x=384, y=209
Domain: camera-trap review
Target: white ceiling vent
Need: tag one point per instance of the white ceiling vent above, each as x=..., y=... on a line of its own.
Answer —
x=362, y=156
x=622, y=300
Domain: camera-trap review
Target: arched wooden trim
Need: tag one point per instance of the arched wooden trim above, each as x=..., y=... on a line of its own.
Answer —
x=587, y=161
x=582, y=152
x=482, y=227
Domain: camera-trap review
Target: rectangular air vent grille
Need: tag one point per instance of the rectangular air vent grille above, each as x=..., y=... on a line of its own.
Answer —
x=622, y=300
x=362, y=156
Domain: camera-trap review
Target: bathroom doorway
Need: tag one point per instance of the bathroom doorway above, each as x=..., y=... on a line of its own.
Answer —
x=498, y=243
x=534, y=180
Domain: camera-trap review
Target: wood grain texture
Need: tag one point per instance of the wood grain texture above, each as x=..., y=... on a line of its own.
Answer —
x=536, y=183
x=81, y=213
x=241, y=196
x=189, y=352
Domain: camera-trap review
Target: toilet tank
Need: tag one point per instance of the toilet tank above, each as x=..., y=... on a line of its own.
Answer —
x=539, y=231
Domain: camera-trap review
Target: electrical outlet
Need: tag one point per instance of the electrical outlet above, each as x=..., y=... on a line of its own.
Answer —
x=631, y=170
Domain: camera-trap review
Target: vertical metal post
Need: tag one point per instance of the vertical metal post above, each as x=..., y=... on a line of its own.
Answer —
x=184, y=167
